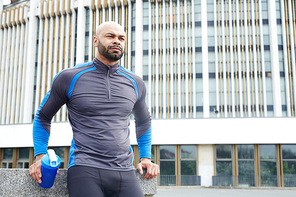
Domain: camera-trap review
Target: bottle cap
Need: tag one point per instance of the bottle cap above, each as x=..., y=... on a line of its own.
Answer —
x=51, y=160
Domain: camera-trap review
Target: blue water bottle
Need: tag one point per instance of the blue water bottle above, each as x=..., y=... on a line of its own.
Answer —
x=50, y=164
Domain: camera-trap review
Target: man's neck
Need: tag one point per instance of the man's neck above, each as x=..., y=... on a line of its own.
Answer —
x=105, y=60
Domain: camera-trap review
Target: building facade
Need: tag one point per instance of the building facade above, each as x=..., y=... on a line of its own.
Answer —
x=218, y=73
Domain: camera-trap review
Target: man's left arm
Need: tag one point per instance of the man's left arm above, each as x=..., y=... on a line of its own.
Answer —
x=143, y=133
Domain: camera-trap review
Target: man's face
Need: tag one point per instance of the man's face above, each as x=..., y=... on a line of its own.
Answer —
x=111, y=42
x=112, y=52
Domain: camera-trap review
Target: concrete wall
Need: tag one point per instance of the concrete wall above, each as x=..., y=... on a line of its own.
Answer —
x=18, y=182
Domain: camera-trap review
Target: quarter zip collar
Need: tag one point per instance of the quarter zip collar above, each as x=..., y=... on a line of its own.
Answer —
x=105, y=68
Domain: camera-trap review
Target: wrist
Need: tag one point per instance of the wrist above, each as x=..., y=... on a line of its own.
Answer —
x=145, y=159
x=39, y=157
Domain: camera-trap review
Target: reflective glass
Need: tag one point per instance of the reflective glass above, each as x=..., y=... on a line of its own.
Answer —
x=210, y=8
x=198, y=42
x=223, y=168
x=7, y=153
x=289, y=167
x=223, y=151
x=211, y=41
x=19, y=165
x=267, y=151
x=268, y=168
x=246, y=168
x=268, y=173
x=210, y=16
x=289, y=151
x=152, y=153
x=60, y=151
x=4, y=165
x=246, y=173
x=188, y=152
x=188, y=167
x=167, y=167
x=245, y=151
x=167, y=152
x=266, y=40
x=24, y=153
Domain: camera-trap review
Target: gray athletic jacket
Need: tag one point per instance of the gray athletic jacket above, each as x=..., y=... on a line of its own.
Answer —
x=100, y=100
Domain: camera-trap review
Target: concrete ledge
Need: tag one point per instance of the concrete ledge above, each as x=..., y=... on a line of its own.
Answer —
x=18, y=182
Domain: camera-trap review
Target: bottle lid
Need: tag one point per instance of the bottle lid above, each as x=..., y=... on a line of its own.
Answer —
x=51, y=160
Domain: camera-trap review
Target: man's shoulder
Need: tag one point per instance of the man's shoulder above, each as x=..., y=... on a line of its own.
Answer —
x=131, y=74
x=69, y=73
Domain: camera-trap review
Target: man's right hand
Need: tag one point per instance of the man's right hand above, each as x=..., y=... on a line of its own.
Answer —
x=35, y=169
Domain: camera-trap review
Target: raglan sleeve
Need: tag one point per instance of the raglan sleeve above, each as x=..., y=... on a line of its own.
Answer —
x=143, y=123
x=51, y=103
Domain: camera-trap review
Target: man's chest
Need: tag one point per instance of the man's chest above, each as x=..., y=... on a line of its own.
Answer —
x=103, y=95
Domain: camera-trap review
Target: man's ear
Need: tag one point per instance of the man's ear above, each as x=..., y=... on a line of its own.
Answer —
x=96, y=41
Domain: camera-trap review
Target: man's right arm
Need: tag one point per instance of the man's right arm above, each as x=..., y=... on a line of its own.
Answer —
x=51, y=103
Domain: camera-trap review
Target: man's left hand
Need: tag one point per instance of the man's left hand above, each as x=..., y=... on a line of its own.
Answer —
x=152, y=169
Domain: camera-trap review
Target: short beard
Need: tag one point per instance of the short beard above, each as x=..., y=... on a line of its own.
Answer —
x=110, y=56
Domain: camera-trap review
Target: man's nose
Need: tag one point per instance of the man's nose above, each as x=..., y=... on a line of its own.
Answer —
x=116, y=41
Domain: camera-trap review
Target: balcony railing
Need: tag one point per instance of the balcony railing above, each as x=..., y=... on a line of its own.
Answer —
x=181, y=180
x=269, y=181
x=289, y=180
x=223, y=180
x=250, y=181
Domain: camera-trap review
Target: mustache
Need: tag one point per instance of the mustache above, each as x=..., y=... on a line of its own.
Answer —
x=117, y=46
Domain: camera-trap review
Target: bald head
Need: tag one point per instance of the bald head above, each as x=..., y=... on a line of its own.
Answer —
x=110, y=42
x=108, y=25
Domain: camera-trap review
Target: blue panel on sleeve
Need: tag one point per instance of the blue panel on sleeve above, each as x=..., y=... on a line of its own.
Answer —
x=40, y=135
x=144, y=143
x=75, y=79
x=132, y=80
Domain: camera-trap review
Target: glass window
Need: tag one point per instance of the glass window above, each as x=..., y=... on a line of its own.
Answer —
x=188, y=165
x=268, y=165
x=223, y=151
x=223, y=165
x=289, y=165
x=23, y=158
x=246, y=165
x=7, y=158
x=153, y=154
x=60, y=151
x=167, y=156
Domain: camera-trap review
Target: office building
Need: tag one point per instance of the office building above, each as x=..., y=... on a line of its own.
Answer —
x=219, y=76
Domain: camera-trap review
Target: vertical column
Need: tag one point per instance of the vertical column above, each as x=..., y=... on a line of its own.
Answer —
x=21, y=64
x=139, y=39
x=3, y=34
x=205, y=68
x=14, y=157
x=274, y=59
x=80, y=33
x=206, y=163
x=171, y=49
x=30, y=64
x=193, y=60
x=11, y=66
x=5, y=66
x=289, y=94
x=292, y=39
x=16, y=54
x=262, y=62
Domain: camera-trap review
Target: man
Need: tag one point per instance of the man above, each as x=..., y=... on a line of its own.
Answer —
x=100, y=97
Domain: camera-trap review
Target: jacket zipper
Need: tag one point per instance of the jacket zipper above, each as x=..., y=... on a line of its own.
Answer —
x=108, y=85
